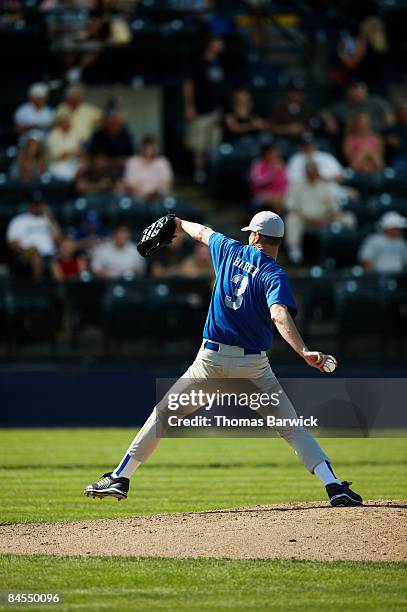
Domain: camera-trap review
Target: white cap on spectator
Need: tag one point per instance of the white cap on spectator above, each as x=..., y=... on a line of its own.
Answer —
x=266, y=223
x=38, y=90
x=392, y=219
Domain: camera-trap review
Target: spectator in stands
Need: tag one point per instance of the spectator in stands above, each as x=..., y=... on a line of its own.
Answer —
x=167, y=261
x=67, y=265
x=85, y=117
x=358, y=100
x=91, y=231
x=311, y=205
x=78, y=30
x=365, y=57
x=396, y=140
x=11, y=12
x=328, y=166
x=117, y=256
x=259, y=41
x=386, y=252
x=198, y=264
x=203, y=102
x=94, y=177
x=242, y=121
x=268, y=179
x=148, y=175
x=31, y=159
x=32, y=235
x=112, y=144
x=64, y=150
x=363, y=149
x=292, y=115
x=34, y=114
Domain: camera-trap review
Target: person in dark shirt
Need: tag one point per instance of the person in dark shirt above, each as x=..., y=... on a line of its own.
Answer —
x=203, y=102
x=91, y=231
x=167, y=262
x=357, y=100
x=112, y=144
x=94, y=177
x=292, y=115
x=242, y=121
x=365, y=57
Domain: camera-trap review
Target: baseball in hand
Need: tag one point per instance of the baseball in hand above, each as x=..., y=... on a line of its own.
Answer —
x=329, y=365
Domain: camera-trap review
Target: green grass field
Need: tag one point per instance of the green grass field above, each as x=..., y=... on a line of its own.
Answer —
x=208, y=584
x=44, y=472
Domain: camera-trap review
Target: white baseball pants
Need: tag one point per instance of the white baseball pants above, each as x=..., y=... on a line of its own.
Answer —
x=230, y=362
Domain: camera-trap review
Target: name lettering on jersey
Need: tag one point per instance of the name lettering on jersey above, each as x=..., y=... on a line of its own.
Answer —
x=246, y=266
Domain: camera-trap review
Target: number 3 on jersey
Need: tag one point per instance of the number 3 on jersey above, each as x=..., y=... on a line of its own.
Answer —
x=241, y=283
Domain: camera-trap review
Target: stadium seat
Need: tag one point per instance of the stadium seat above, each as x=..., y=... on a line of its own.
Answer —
x=395, y=308
x=388, y=181
x=339, y=246
x=229, y=169
x=35, y=313
x=84, y=299
x=360, y=307
x=72, y=211
x=11, y=192
x=394, y=181
x=359, y=207
x=55, y=192
x=365, y=184
x=124, y=209
x=7, y=157
x=124, y=312
x=179, y=206
x=171, y=314
x=318, y=300
x=380, y=204
x=5, y=312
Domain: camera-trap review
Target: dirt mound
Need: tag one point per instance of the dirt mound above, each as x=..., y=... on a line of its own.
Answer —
x=374, y=532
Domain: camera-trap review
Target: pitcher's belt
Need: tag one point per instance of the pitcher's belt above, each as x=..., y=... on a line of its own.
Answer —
x=227, y=349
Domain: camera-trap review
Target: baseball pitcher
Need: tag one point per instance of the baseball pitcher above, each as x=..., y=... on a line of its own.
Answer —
x=250, y=291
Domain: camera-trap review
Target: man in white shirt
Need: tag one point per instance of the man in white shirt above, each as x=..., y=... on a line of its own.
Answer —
x=118, y=256
x=328, y=166
x=148, y=175
x=31, y=236
x=310, y=204
x=35, y=114
x=386, y=251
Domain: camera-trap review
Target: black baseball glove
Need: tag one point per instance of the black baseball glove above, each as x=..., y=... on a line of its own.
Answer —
x=157, y=235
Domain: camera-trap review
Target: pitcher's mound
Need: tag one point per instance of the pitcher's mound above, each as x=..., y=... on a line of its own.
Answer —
x=374, y=532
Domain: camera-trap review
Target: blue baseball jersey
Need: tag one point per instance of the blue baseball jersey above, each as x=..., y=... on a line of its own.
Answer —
x=247, y=283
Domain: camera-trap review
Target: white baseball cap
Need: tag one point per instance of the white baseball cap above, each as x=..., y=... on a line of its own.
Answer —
x=392, y=219
x=266, y=223
x=39, y=90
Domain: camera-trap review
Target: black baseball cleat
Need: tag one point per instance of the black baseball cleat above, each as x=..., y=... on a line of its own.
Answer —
x=342, y=495
x=108, y=486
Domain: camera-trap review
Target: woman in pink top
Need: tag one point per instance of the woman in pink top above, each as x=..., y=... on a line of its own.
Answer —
x=363, y=149
x=148, y=175
x=268, y=179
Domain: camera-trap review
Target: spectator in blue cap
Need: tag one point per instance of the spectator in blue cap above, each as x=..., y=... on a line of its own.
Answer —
x=91, y=231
